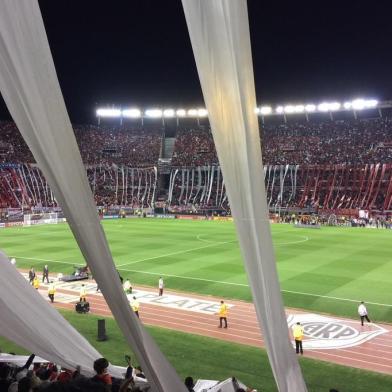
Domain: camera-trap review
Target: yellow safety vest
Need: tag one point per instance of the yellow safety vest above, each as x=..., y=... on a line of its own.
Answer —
x=223, y=310
x=298, y=332
x=135, y=306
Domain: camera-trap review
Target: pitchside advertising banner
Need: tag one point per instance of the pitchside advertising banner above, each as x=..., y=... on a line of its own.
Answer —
x=191, y=217
x=223, y=218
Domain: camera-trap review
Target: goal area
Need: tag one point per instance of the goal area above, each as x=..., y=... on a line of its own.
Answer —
x=41, y=218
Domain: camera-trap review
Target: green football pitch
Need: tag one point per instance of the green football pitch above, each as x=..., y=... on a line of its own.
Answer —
x=327, y=270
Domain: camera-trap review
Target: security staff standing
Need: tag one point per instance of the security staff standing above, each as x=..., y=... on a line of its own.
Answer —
x=160, y=286
x=51, y=291
x=36, y=283
x=135, y=306
x=222, y=313
x=31, y=275
x=45, y=274
x=83, y=294
x=298, y=333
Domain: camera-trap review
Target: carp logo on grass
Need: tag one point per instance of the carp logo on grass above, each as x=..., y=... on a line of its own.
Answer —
x=321, y=332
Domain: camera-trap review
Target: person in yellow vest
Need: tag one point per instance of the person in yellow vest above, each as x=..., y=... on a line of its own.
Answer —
x=83, y=294
x=222, y=313
x=51, y=291
x=298, y=333
x=127, y=286
x=135, y=306
x=36, y=282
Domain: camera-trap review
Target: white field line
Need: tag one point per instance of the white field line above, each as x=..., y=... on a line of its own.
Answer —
x=175, y=253
x=305, y=238
x=212, y=281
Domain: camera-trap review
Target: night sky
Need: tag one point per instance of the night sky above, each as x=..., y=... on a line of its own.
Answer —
x=138, y=52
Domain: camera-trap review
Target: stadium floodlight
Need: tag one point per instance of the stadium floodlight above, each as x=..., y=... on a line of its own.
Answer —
x=299, y=108
x=358, y=104
x=279, y=109
x=181, y=113
x=192, y=112
x=153, y=113
x=202, y=112
x=347, y=105
x=169, y=113
x=323, y=107
x=265, y=110
x=371, y=103
x=108, y=113
x=333, y=106
x=131, y=113
x=289, y=109
x=310, y=108
x=257, y=111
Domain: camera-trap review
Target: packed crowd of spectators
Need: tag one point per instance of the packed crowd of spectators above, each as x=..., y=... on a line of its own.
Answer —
x=121, y=165
x=324, y=142
x=194, y=147
x=98, y=145
x=106, y=145
x=333, y=142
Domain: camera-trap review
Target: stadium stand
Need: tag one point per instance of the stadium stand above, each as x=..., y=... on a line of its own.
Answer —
x=328, y=165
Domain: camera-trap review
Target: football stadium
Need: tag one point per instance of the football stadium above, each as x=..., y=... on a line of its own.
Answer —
x=228, y=245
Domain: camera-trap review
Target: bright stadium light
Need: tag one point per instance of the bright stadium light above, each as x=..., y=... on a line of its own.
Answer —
x=202, y=112
x=257, y=110
x=310, y=108
x=108, y=113
x=299, y=108
x=371, y=103
x=333, y=106
x=279, y=109
x=154, y=113
x=265, y=110
x=358, y=104
x=289, y=109
x=181, y=113
x=323, y=107
x=347, y=105
x=169, y=113
x=131, y=113
x=192, y=112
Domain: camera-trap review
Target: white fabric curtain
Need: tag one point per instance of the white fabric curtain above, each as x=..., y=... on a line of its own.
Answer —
x=29, y=85
x=30, y=321
x=219, y=33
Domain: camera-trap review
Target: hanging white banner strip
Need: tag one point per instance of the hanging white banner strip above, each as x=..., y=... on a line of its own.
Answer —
x=29, y=85
x=219, y=33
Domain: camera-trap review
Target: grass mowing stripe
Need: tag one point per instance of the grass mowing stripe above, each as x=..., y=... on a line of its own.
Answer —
x=175, y=253
x=214, y=281
x=324, y=274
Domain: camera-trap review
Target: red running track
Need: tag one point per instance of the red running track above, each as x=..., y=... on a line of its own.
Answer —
x=374, y=354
